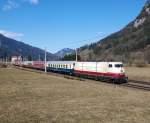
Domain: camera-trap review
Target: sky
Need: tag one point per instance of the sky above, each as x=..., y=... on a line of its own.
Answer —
x=57, y=24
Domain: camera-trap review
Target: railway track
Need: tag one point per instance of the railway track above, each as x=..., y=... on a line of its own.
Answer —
x=140, y=85
x=50, y=73
x=140, y=82
x=137, y=85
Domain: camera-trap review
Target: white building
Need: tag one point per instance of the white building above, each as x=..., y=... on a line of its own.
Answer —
x=15, y=59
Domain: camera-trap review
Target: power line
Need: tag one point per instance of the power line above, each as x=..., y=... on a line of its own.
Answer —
x=82, y=41
x=75, y=44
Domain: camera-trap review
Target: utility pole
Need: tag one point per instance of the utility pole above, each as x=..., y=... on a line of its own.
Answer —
x=6, y=60
x=45, y=61
x=1, y=60
x=76, y=54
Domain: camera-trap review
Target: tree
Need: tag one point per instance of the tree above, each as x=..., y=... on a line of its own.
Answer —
x=71, y=57
x=29, y=58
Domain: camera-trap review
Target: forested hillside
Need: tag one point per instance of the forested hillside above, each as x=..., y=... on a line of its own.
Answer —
x=131, y=44
x=10, y=47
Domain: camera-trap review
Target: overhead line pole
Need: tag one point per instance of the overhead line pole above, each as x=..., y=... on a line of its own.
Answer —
x=45, y=61
x=76, y=54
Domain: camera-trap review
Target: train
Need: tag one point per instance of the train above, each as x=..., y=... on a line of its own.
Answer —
x=103, y=71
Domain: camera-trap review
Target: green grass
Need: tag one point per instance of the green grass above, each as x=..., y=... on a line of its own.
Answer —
x=27, y=97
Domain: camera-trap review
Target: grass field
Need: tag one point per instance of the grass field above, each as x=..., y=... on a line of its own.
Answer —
x=138, y=73
x=27, y=97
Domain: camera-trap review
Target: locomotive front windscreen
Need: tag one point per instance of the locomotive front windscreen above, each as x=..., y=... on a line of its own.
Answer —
x=118, y=65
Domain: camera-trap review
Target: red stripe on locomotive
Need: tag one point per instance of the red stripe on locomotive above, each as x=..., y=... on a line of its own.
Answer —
x=112, y=75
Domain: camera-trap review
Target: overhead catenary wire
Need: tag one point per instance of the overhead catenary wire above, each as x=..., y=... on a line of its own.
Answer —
x=74, y=43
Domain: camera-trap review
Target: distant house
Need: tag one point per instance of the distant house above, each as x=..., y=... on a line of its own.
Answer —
x=16, y=59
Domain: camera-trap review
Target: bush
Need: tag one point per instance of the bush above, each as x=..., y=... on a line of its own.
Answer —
x=137, y=59
x=140, y=63
x=2, y=65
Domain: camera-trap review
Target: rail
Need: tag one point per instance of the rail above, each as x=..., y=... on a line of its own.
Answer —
x=140, y=85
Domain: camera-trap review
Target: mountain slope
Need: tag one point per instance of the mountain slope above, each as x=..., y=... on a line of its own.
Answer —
x=10, y=47
x=64, y=52
x=132, y=43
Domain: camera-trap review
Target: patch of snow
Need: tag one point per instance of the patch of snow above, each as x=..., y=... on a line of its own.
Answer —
x=148, y=10
x=139, y=22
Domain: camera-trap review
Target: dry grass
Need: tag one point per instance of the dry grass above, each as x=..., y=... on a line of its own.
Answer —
x=27, y=97
x=139, y=73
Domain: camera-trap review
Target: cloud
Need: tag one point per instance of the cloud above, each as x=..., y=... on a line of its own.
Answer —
x=13, y=35
x=100, y=33
x=12, y=4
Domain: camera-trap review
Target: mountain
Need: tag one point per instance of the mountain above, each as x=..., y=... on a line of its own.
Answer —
x=10, y=47
x=130, y=45
x=65, y=51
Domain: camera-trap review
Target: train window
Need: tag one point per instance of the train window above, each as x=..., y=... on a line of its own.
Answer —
x=118, y=65
x=110, y=65
x=66, y=66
